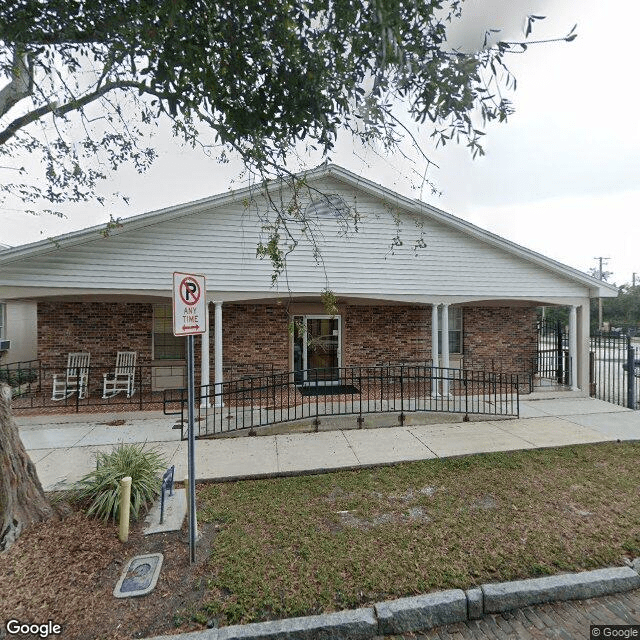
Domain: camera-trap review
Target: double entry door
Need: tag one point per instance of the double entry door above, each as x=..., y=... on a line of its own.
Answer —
x=316, y=349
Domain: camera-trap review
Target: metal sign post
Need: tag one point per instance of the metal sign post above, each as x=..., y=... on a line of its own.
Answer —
x=191, y=452
x=189, y=319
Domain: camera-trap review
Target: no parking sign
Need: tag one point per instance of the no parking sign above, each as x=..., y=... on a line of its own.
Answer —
x=189, y=304
x=190, y=319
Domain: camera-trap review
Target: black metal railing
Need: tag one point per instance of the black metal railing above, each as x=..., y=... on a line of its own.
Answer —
x=21, y=376
x=289, y=396
x=35, y=386
x=614, y=369
x=552, y=367
x=552, y=363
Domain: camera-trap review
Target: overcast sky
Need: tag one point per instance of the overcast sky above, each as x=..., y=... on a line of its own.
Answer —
x=562, y=177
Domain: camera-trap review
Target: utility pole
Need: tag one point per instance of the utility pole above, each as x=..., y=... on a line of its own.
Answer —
x=601, y=259
x=633, y=278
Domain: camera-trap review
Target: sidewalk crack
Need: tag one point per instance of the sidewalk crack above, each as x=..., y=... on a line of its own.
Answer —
x=275, y=439
x=424, y=444
x=77, y=442
x=514, y=435
x=355, y=455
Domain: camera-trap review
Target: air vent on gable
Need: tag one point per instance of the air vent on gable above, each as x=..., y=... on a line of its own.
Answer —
x=331, y=206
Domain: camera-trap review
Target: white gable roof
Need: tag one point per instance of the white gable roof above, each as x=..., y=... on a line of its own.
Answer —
x=440, y=255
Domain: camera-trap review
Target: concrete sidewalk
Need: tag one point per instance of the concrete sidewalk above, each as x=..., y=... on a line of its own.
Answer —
x=64, y=450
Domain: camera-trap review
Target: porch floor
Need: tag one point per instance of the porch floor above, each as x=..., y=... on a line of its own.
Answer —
x=63, y=447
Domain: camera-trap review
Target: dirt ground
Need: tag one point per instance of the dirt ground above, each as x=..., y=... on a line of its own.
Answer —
x=65, y=571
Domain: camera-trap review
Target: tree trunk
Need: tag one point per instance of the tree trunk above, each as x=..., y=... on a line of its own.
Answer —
x=22, y=499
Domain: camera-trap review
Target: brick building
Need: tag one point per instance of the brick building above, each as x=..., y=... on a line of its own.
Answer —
x=400, y=269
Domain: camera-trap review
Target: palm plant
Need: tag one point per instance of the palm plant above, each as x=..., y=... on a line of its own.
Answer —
x=101, y=488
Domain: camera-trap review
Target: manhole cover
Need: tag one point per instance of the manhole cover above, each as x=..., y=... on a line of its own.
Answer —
x=139, y=576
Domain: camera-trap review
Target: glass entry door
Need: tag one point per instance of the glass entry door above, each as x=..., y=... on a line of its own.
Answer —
x=316, y=349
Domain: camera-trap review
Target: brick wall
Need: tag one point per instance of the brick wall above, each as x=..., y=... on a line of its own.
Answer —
x=101, y=328
x=500, y=338
x=252, y=334
x=379, y=334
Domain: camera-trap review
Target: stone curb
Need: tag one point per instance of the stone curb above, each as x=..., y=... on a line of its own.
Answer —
x=421, y=612
x=475, y=603
x=428, y=611
x=570, y=586
x=356, y=624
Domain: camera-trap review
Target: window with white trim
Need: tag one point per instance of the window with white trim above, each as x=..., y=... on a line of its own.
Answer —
x=166, y=346
x=455, y=330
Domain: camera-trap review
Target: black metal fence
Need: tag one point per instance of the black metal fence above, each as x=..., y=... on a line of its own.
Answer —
x=54, y=389
x=17, y=374
x=282, y=397
x=552, y=362
x=614, y=369
x=34, y=386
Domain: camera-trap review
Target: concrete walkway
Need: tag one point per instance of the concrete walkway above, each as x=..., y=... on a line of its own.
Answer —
x=63, y=447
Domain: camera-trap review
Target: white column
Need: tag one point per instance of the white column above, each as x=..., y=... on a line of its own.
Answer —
x=204, y=362
x=573, y=346
x=445, y=348
x=435, y=357
x=218, y=351
x=584, y=346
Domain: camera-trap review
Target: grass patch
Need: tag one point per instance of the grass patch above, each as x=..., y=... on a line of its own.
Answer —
x=299, y=546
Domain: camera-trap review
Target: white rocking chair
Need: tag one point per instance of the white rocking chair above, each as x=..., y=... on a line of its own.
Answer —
x=123, y=378
x=75, y=380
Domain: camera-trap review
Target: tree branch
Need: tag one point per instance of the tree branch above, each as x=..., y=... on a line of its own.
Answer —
x=21, y=84
x=73, y=105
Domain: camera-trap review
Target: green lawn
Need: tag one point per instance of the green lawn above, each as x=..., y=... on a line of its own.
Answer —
x=298, y=546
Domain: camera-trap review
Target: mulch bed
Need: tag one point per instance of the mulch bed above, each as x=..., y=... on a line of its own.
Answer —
x=65, y=570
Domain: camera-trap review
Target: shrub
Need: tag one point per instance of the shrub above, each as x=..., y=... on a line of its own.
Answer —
x=16, y=377
x=100, y=489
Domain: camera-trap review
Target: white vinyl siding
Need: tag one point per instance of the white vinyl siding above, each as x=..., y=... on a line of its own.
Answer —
x=429, y=257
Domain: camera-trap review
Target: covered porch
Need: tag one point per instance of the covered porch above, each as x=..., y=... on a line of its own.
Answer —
x=444, y=295
x=271, y=359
